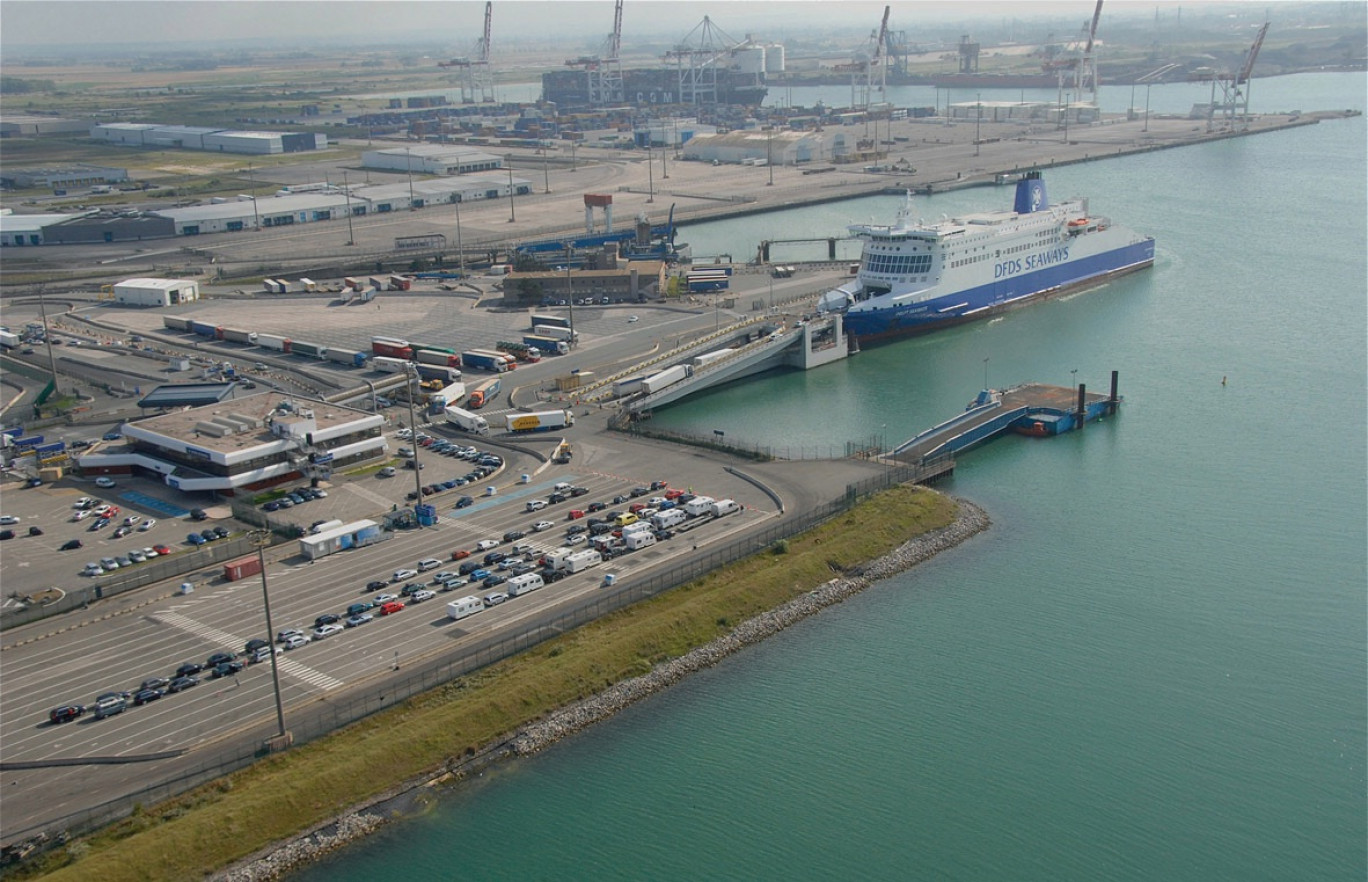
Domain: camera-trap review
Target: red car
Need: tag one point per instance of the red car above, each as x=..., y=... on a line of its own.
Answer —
x=673, y=493
x=162, y=549
x=575, y=514
x=391, y=608
x=460, y=555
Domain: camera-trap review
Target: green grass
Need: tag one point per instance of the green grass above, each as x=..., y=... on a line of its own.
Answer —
x=284, y=795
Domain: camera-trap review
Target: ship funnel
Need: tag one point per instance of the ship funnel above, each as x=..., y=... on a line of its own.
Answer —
x=1030, y=194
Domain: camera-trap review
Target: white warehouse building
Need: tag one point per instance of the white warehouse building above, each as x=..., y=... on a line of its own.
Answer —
x=155, y=292
x=750, y=145
x=432, y=159
x=215, y=140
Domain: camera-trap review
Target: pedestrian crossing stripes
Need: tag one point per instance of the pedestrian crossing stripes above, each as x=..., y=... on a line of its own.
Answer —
x=223, y=638
x=368, y=495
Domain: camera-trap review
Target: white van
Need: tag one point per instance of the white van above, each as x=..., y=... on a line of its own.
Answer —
x=466, y=606
x=724, y=507
x=520, y=585
x=562, y=487
x=428, y=563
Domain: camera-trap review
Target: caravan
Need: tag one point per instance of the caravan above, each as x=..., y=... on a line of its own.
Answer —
x=527, y=582
x=466, y=606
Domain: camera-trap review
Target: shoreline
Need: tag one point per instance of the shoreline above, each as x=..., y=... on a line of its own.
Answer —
x=571, y=719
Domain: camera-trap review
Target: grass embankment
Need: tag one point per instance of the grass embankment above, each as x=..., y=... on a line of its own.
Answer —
x=282, y=796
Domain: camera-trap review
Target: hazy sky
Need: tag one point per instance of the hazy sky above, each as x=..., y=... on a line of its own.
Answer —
x=26, y=23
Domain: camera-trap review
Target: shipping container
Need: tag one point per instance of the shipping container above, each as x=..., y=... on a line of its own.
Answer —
x=238, y=336
x=540, y=421
x=434, y=355
x=26, y=443
x=309, y=350
x=546, y=345
x=242, y=568
x=441, y=399
x=710, y=357
x=400, y=283
x=627, y=386
x=9, y=340
x=667, y=377
x=176, y=322
x=348, y=356
x=437, y=372
x=556, y=332
x=204, y=329
x=271, y=341
x=386, y=365
x=485, y=361
x=550, y=321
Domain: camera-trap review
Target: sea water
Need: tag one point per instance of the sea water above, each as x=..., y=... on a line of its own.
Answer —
x=1152, y=666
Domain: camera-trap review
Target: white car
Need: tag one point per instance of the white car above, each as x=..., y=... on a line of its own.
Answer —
x=632, y=318
x=79, y=516
x=131, y=520
x=149, y=552
x=382, y=599
x=92, y=569
x=536, y=504
x=403, y=434
x=402, y=575
x=483, y=545
x=542, y=525
x=428, y=563
x=83, y=502
x=8, y=520
x=495, y=599
x=575, y=539
x=104, y=482
x=420, y=596
x=323, y=631
x=147, y=525
x=294, y=641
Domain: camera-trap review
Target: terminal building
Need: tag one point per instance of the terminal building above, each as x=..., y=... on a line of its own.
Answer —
x=246, y=444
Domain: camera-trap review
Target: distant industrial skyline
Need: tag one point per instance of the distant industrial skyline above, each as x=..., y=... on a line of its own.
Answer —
x=57, y=24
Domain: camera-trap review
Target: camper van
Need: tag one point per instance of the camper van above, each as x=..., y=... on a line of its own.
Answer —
x=466, y=606
x=520, y=585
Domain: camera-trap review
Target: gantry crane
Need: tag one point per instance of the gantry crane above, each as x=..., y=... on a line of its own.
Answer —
x=1078, y=70
x=477, y=79
x=697, y=62
x=1234, y=103
x=605, y=69
x=862, y=68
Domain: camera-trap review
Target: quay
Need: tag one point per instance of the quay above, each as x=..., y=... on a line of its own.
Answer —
x=1032, y=409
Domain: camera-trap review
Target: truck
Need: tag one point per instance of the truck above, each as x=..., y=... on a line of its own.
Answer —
x=556, y=333
x=348, y=356
x=552, y=321
x=241, y=568
x=546, y=345
x=437, y=357
x=481, y=360
x=205, y=329
x=710, y=357
x=435, y=372
x=724, y=507
x=484, y=393
x=235, y=335
x=391, y=348
x=271, y=341
x=400, y=283
x=539, y=421
x=527, y=582
x=465, y=606
x=176, y=322
x=9, y=340
x=583, y=560
x=443, y=398
x=466, y=421
x=389, y=365
x=667, y=377
x=520, y=351
x=627, y=386
x=310, y=350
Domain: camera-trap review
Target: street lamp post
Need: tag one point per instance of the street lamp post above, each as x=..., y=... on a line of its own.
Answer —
x=570, y=299
x=769, y=156
x=1146, y=127
x=650, y=176
x=256, y=218
x=546, y=172
x=408, y=157
x=512, y=216
x=985, y=374
x=978, y=121
x=262, y=538
x=351, y=238
x=413, y=428
x=460, y=251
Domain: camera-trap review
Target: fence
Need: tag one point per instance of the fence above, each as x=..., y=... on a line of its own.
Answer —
x=122, y=580
x=322, y=718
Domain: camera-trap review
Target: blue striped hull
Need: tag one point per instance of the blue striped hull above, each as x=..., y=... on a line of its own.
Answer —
x=879, y=325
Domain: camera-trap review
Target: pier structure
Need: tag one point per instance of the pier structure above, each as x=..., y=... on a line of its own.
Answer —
x=1033, y=409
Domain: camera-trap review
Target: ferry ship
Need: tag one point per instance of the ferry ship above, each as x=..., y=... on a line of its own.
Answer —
x=916, y=277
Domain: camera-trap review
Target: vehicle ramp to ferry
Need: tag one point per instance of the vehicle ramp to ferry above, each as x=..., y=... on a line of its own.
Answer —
x=1030, y=409
x=803, y=345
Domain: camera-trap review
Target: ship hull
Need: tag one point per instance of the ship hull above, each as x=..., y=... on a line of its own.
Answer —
x=896, y=322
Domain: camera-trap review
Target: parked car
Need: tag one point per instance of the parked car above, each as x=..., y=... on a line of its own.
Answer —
x=104, y=482
x=324, y=631
x=71, y=545
x=188, y=668
x=296, y=641
x=162, y=549
x=226, y=669
x=465, y=501
x=542, y=525
x=147, y=525
x=422, y=595
x=486, y=544
x=193, y=538
x=180, y=684
x=391, y=608
x=495, y=598
x=66, y=713
x=327, y=619
x=144, y=696
x=358, y=619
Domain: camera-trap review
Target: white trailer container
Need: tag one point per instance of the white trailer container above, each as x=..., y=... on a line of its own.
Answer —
x=583, y=560
x=271, y=341
x=387, y=365
x=527, y=582
x=448, y=394
x=710, y=357
x=466, y=606
x=666, y=378
x=628, y=386
x=699, y=505
x=666, y=519
x=467, y=421
x=556, y=333
x=540, y=421
x=639, y=539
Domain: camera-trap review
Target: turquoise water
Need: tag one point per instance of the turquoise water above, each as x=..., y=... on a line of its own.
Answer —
x=1151, y=667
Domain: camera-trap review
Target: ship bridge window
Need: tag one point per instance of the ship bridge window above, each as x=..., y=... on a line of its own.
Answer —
x=899, y=264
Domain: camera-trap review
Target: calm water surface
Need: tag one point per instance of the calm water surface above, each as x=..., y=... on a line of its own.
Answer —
x=1151, y=667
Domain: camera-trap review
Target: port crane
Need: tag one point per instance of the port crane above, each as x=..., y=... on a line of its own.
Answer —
x=862, y=68
x=1082, y=65
x=477, y=78
x=605, y=69
x=698, y=61
x=1234, y=103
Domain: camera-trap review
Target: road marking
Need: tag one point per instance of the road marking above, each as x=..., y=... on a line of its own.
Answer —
x=223, y=638
x=370, y=495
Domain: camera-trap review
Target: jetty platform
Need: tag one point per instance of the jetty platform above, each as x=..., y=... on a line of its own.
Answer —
x=1032, y=409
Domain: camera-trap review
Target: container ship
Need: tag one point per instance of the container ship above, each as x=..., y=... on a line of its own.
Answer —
x=916, y=277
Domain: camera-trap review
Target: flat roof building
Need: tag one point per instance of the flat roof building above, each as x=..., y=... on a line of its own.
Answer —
x=244, y=444
x=155, y=292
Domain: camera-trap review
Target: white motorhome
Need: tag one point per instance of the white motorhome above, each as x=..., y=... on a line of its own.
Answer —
x=639, y=539
x=699, y=505
x=466, y=606
x=666, y=519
